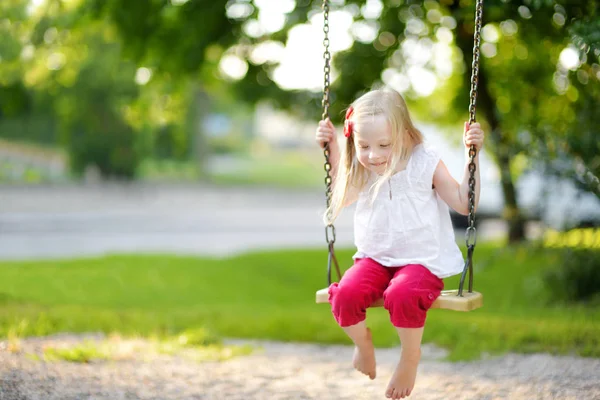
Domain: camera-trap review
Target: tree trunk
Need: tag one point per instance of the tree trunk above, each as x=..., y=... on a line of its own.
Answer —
x=501, y=145
x=197, y=111
x=511, y=213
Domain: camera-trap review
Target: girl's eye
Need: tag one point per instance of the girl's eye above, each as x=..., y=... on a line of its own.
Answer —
x=385, y=145
x=363, y=147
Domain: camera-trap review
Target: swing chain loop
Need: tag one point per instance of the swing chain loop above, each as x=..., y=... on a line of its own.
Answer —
x=332, y=261
x=468, y=268
x=330, y=234
x=471, y=236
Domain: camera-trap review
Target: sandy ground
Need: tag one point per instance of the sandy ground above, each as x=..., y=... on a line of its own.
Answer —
x=278, y=371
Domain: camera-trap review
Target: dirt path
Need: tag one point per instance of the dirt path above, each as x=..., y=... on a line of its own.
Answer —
x=278, y=371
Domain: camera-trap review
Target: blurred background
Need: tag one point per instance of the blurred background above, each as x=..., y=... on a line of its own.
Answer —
x=120, y=120
x=186, y=127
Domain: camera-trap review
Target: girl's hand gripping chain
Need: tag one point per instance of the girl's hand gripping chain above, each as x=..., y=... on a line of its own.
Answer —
x=326, y=133
x=473, y=136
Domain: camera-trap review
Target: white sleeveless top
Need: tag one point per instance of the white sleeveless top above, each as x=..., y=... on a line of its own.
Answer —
x=408, y=223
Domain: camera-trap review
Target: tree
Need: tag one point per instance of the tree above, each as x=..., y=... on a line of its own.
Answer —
x=524, y=106
x=66, y=81
x=180, y=39
x=575, y=151
x=77, y=80
x=19, y=110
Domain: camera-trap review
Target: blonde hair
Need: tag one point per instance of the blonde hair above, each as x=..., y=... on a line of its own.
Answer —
x=351, y=174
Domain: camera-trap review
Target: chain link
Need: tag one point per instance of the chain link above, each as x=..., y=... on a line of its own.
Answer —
x=471, y=234
x=329, y=229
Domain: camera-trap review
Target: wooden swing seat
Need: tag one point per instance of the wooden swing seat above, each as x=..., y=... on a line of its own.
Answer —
x=448, y=300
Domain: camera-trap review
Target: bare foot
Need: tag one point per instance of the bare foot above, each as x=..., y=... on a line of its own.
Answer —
x=403, y=379
x=364, y=357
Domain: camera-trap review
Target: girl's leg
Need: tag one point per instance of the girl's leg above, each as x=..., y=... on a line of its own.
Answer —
x=411, y=292
x=360, y=286
x=364, y=351
x=405, y=374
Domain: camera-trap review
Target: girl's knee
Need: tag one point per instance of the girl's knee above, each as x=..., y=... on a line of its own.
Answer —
x=404, y=296
x=348, y=304
x=408, y=306
x=345, y=296
x=399, y=296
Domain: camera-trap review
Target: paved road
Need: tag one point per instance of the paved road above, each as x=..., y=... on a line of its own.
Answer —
x=72, y=221
x=65, y=221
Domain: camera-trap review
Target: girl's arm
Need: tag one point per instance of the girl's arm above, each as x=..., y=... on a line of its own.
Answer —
x=454, y=194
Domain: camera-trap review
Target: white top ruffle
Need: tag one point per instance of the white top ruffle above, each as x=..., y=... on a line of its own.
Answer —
x=408, y=223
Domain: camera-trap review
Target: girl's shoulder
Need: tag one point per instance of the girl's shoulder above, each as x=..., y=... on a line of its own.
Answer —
x=425, y=153
x=425, y=160
x=428, y=150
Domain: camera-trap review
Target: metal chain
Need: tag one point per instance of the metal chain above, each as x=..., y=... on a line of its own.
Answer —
x=329, y=229
x=471, y=233
x=325, y=105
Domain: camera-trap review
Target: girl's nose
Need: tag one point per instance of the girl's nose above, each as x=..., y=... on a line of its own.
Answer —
x=374, y=155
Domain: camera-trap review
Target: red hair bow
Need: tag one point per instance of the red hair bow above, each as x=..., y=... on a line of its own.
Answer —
x=348, y=125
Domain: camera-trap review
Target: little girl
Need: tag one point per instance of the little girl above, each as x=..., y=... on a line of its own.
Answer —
x=403, y=232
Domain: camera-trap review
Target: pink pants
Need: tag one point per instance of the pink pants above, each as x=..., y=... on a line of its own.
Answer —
x=408, y=292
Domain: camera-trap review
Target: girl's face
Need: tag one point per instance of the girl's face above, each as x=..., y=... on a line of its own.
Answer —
x=373, y=143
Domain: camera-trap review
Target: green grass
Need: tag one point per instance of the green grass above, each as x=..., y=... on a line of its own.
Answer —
x=270, y=168
x=82, y=353
x=195, y=345
x=270, y=295
x=281, y=169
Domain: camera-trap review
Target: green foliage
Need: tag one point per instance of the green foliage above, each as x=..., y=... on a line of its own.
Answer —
x=168, y=36
x=72, y=78
x=524, y=103
x=523, y=98
x=31, y=127
x=110, y=146
x=271, y=296
x=14, y=100
x=576, y=276
x=94, y=127
x=10, y=42
x=170, y=144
